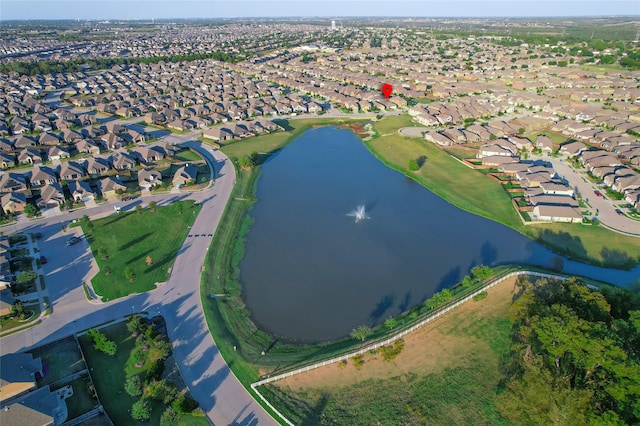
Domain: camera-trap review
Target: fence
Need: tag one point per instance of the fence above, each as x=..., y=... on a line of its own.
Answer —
x=391, y=339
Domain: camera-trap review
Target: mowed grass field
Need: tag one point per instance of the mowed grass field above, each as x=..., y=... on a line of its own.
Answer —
x=473, y=191
x=447, y=373
x=128, y=238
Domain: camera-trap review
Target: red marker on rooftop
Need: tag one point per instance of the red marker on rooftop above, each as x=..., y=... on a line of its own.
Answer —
x=386, y=90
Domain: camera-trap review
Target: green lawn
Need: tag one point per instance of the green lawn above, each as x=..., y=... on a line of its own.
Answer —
x=108, y=374
x=472, y=191
x=81, y=402
x=63, y=357
x=187, y=155
x=129, y=238
x=272, y=142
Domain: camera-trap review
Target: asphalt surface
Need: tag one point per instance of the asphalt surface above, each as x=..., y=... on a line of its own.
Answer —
x=210, y=380
x=605, y=206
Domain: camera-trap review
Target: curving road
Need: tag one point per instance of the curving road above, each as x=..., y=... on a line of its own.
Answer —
x=210, y=380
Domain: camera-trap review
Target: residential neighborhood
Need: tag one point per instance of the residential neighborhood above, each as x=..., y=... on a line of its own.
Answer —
x=130, y=154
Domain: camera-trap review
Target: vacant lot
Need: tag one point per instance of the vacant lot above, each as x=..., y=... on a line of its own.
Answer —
x=446, y=374
x=127, y=241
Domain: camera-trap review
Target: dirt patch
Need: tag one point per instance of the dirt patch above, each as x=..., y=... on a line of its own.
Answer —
x=454, y=339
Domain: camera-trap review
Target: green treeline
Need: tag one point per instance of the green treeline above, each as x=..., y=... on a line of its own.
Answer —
x=92, y=64
x=575, y=357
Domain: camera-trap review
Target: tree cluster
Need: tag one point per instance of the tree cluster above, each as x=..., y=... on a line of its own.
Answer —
x=153, y=348
x=575, y=357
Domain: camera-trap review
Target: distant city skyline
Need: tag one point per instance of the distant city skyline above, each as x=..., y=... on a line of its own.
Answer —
x=150, y=9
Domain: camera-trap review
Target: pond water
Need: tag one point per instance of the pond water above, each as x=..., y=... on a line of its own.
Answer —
x=312, y=273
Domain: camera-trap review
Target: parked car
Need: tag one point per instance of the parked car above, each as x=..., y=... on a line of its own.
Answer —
x=598, y=193
x=43, y=260
x=73, y=240
x=619, y=212
x=38, y=235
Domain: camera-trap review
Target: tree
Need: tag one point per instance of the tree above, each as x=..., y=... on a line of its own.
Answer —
x=133, y=385
x=521, y=130
x=246, y=162
x=160, y=349
x=134, y=324
x=101, y=342
x=17, y=309
x=138, y=209
x=413, y=165
x=30, y=210
x=184, y=404
x=467, y=281
x=361, y=333
x=153, y=206
x=26, y=277
x=481, y=272
x=141, y=410
x=169, y=417
x=161, y=390
x=130, y=274
x=391, y=323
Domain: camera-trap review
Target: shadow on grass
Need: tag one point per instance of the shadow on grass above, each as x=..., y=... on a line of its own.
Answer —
x=563, y=243
x=135, y=241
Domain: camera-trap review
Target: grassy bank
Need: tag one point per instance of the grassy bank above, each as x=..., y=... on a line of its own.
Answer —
x=123, y=241
x=447, y=373
x=472, y=191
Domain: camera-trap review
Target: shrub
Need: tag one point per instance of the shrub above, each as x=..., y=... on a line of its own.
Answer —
x=390, y=352
x=480, y=296
x=358, y=361
x=184, y=404
x=413, y=165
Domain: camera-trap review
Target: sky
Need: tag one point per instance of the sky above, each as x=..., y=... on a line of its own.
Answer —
x=164, y=9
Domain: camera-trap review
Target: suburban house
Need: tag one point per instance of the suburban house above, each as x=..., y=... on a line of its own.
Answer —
x=7, y=160
x=87, y=147
x=544, y=143
x=556, y=188
x=13, y=202
x=149, y=154
x=80, y=191
x=70, y=170
x=218, y=134
x=149, y=178
x=18, y=375
x=111, y=141
x=122, y=161
x=12, y=182
x=96, y=166
x=51, y=195
x=550, y=213
x=110, y=185
x=42, y=175
x=574, y=148
x=29, y=156
x=57, y=152
x=184, y=175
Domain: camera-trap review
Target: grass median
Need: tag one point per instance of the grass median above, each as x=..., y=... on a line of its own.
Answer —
x=145, y=242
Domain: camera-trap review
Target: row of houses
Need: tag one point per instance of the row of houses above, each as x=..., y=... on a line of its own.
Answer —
x=552, y=200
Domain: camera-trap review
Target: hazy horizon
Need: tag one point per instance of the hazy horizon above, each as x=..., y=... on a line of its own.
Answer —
x=238, y=9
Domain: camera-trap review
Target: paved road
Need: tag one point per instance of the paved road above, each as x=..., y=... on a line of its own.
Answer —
x=209, y=378
x=605, y=206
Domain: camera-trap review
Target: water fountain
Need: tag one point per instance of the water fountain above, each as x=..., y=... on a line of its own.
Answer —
x=359, y=214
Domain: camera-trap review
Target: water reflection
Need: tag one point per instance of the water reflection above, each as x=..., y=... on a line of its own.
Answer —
x=310, y=273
